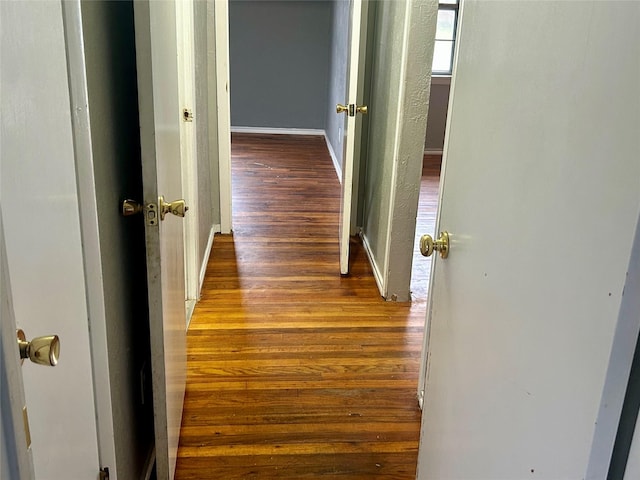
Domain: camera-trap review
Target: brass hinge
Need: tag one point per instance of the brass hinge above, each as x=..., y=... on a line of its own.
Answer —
x=104, y=473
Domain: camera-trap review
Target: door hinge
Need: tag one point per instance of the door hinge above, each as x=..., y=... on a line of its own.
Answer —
x=104, y=473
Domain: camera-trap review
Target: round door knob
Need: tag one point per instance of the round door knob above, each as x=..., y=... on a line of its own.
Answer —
x=177, y=207
x=41, y=350
x=428, y=245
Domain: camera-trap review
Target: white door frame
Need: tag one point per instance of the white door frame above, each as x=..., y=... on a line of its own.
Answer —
x=88, y=224
x=189, y=160
x=221, y=15
x=88, y=211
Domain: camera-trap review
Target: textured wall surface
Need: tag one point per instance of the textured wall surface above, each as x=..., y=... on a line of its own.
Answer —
x=338, y=75
x=399, y=99
x=279, y=62
x=204, y=155
x=385, y=85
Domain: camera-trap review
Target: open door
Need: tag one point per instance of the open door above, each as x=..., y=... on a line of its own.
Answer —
x=160, y=117
x=353, y=127
x=44, y=237
x=16, y=459
x=534, y=314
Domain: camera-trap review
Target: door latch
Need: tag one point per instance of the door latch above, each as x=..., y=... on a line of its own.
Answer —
x=150, y=211
x=351, y=109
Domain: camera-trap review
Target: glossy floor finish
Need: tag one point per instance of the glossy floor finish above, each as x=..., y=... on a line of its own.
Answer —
x=294, y=371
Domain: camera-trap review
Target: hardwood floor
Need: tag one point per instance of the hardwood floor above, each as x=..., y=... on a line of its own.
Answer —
x=294, y=371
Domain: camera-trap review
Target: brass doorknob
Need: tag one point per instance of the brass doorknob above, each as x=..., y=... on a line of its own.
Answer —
x=40, y=350
x=177, y=207
x=342, y=108
x=131, y=207
x=363, y=109
x=428, y=245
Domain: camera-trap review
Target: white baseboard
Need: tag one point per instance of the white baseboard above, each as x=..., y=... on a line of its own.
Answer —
x=374, y=266
x=278, y=131
x=207, y=253
x=433, y=151
x=189, y=306
x=334, y=159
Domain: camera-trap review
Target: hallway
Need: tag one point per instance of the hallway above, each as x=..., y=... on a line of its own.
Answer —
x=294, y=371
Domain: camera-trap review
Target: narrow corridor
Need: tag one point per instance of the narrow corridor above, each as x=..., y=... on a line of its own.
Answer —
x=294, y=371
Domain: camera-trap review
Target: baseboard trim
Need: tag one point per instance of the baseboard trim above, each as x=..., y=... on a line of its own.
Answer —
x=207, y=254
x=189, y=306
x=374, y=266
x=433, y=151
x=334, y=159
x=278, y=131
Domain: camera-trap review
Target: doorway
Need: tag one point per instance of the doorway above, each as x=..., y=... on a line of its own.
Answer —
x=288, y=68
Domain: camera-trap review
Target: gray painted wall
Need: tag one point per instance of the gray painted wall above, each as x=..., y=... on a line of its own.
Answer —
x=279, y=63
x=338, y=66
x=113, y=108
x=437, y=118
x=205, y=194
x=383, y=113
x=397, y=126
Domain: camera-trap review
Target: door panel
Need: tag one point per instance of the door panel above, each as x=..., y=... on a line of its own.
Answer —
x=160, y=116
x=16, y=459
x=353, y=128
x=43, y=238
x=541, y=170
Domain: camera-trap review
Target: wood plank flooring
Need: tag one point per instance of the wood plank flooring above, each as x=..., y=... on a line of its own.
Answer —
x=294, y=371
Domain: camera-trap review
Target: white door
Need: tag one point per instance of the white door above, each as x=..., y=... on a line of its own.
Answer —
x=531, y=337
x=352, y=129
x=160, y=117
x=16, y=460
x=40, y=209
